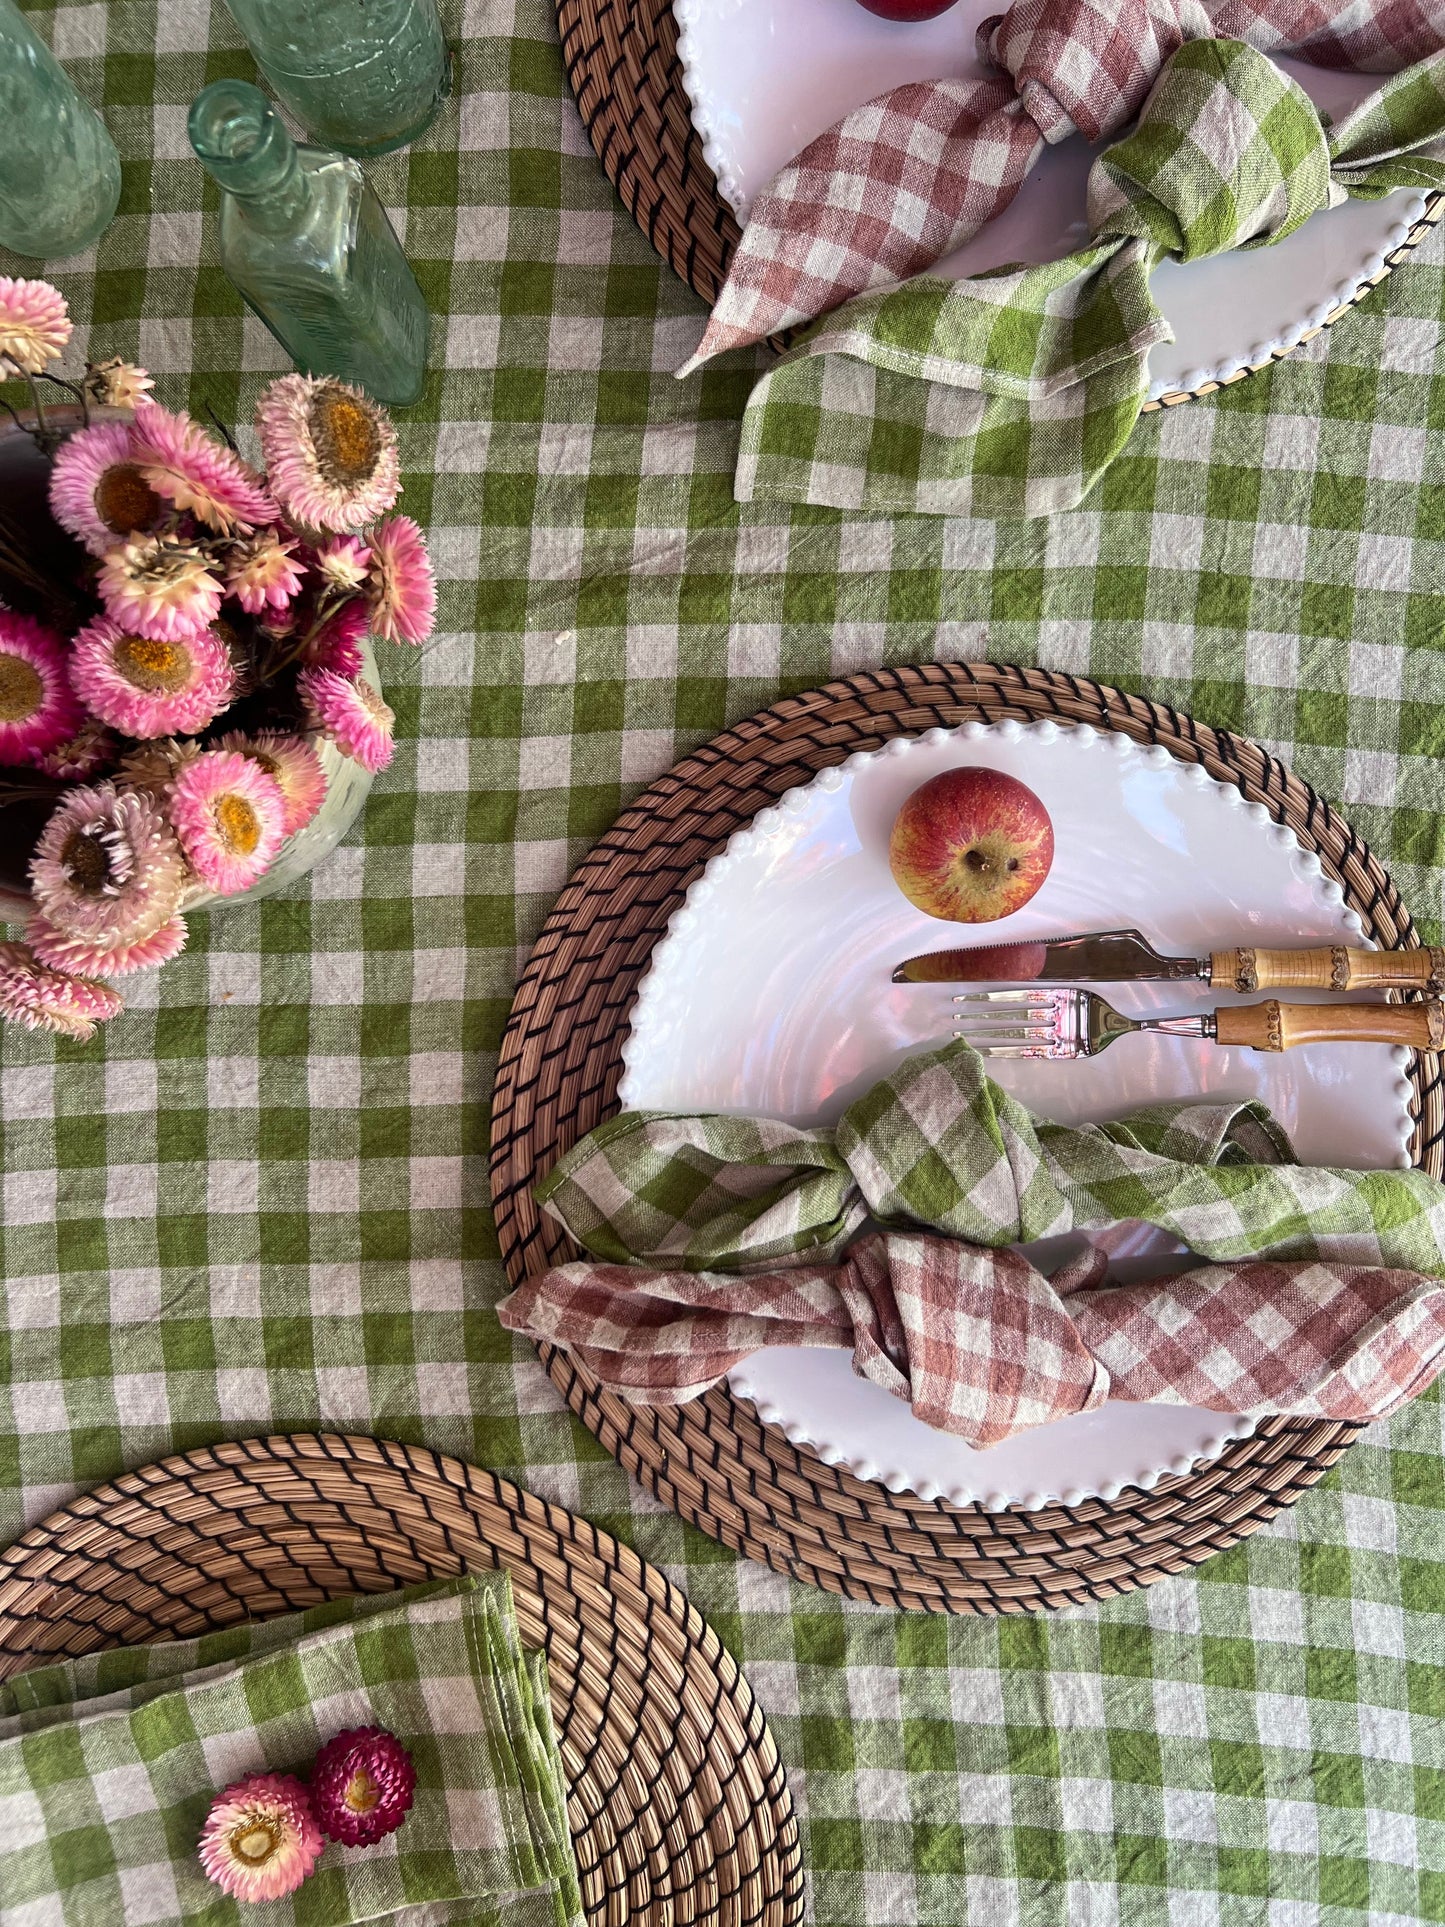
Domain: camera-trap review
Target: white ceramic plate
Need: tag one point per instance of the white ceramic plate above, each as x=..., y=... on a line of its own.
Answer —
x=771, y=993
x=767, y=76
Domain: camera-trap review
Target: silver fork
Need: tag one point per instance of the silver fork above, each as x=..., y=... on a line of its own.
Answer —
x=1061, y=1023
x=1075, y=1023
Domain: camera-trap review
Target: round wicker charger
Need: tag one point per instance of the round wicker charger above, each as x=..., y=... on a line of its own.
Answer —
x=737, y=1479
x=625, y=74
x=679, y=1809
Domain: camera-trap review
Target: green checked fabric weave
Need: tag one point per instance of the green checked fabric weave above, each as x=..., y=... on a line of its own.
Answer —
x=1011, y=393
x=939, y=1146
x=259, y=1201
x=108, y=1766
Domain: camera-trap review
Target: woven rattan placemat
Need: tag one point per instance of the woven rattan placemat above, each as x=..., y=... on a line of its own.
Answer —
x=712, y=1460
x=623, y=66
x=680, y=1813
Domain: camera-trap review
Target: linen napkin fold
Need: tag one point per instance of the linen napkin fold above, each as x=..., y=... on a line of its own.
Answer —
x=981, y=1344
x=713, y=1235
x=108, y=1765
x=1011, y=393
x=910, y=176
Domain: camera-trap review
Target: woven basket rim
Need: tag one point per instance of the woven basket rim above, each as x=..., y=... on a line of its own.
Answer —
x=678, y=1801
x=712, y=1460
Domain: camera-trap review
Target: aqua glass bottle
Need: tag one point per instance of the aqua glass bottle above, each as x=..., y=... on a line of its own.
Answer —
x=59, y=171
x=361, y=75
x=309, y=246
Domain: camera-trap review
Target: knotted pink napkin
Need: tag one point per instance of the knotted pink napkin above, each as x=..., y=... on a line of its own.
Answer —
x=901, y=182
x=982, y=1345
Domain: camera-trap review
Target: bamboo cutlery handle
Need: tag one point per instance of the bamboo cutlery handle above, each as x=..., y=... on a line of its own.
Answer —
x=1274, y=1026
x=1335, y=967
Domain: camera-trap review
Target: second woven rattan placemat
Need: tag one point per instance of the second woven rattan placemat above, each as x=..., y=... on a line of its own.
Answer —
x=679, y=1809
x=713, y=1461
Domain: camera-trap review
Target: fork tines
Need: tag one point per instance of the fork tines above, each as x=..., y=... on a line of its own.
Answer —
x=1011, y=1023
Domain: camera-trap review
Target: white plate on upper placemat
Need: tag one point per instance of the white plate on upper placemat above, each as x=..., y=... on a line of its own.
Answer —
x=771, y=994
x=765, y=77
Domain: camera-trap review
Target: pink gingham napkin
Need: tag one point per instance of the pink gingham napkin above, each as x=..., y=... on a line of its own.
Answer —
x=901, y=182
x=982, y=1345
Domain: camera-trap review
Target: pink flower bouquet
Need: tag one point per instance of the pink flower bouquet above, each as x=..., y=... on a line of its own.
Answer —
x=168, y=700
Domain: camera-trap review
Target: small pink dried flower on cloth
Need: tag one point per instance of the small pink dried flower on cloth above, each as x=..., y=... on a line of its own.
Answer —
x=159, y=586
x=351, y=713
x=230, y=816
x=331, y=454
x=260, y=1839
x=261, y=573
x=82, y=956
x=97, y=491
x=45, y=999
x=34, y=325
x=107, y=867
x=402, y=583
x=147, y=685
x=362, y=1785
x=295, y=765
x=196, y=474
x=38, y=709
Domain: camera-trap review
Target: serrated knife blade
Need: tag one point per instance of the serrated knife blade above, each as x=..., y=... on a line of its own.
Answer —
x=1104, y=957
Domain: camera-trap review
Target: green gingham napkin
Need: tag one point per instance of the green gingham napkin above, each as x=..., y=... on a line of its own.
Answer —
x=1011, y=393
x=939, y=1146
x=108, y=1765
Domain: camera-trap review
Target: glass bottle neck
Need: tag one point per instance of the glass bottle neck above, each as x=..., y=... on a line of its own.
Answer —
x=241, y=142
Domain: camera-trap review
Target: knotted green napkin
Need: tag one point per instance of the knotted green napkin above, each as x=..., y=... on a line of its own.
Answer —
x=939, y=1146
x=1011, y=393
x=108, y=1766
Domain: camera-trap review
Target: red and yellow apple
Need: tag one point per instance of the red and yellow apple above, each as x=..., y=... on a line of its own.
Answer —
x=907, y=9
x=971, y=846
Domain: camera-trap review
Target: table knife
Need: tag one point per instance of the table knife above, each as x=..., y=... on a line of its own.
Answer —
x=1119, y=956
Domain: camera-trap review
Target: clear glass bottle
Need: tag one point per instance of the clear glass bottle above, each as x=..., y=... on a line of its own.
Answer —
x=59, y=171
x=309, y=246
x=364, y=76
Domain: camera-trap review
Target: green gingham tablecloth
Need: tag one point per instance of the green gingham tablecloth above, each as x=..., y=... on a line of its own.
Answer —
x=260, y=1200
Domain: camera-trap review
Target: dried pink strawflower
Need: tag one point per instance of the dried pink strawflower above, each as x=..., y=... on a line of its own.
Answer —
x=159, y=586
x=38, y=709
x=84, y=957
x=295, y=765
x=34, y=325
x=331, y=454
x=260, y=1839
x=97, y=491
x=107, y=867
x=261, y=573
x=43, y=999
x=404, y=589
x=343, y=561
x=230, y=816
x=339, y=644
x=352, y=714
x=148, y=686
x=196, y=474
x=362, y=1785
x=116, y=383
x=153, y=766
x=92, y=750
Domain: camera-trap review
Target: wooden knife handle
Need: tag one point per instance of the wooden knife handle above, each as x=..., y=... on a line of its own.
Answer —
x=1335, y=967
x=1276, y=1026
